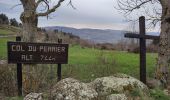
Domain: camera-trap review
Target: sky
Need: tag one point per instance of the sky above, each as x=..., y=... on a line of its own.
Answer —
x=98, y=14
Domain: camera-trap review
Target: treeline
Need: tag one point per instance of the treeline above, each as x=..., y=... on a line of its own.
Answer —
x=4, y=20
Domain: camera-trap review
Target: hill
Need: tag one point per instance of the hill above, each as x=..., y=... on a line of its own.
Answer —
x=95, y=35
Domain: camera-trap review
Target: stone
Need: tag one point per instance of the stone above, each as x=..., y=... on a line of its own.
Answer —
x=118, y=83
x=116, y=97
x=34, y=96
x=116, y=87
x=166, y=92
x=3, y=62
x=153, y=83
x=72, y=89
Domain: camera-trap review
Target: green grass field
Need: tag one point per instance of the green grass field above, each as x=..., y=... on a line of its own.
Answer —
x=8, y=30
x=4, y=32
x=3, y=46
x=88, y=63
x=92, y=63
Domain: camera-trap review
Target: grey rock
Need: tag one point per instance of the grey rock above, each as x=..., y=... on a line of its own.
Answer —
x=153, y=83
x=71, y=89
x=34, y=96
x=116, y=87
x=119, y=83
x=116, y=97
x=3, y=62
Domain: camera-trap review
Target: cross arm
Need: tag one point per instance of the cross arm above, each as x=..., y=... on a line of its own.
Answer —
x=130, y=35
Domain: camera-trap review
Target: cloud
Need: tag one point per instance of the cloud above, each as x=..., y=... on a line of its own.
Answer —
x=88, y=14
x=6, y=7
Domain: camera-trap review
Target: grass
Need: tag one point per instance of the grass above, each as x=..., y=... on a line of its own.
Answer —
x=82, y=60
x=116, y=61
x=5, y=32
x=158, y=94
x=15, y=98
x=86, y=64
x=3, y=46
x=8, y=30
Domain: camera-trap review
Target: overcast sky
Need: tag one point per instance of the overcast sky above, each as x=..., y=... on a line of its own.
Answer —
x=88, y=14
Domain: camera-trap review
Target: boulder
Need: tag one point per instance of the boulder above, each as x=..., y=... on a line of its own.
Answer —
x=71, y=89
x=116, y=97
x=116, y=87
x=34, y=96
x=118, y=83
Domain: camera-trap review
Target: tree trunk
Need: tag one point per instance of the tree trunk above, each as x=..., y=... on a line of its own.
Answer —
x=29, y=20
x=29, y=27
x=164, y=45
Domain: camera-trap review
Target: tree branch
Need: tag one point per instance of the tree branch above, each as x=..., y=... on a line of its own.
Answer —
x=15, y=6
x=153, y=16
x=70, y=3
x=128, y=6
x=38, y=2
x=50, y=10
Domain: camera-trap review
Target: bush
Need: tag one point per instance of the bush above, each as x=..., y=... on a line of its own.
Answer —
x=134, y=50
x=8, y=81
x=13, y=22
x=4, y=19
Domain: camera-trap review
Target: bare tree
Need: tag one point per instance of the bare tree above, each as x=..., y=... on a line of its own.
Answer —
x=29, y=16
x=159, y=14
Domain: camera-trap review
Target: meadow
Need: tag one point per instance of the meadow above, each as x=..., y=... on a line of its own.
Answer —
x=8, y=30
x=84, y=64
x=88, y=63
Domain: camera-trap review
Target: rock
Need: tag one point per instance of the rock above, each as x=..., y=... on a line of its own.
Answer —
x=153, y=83
x=3, y=62
x=116, y=97
x=166, y=92
x=116, y=87
x=71, y=89
x=34, y=96
x=119, y=83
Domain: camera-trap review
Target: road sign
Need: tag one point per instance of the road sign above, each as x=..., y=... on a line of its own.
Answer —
x=37, y=53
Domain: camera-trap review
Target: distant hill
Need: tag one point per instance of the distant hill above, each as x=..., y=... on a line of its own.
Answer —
x=94, y=35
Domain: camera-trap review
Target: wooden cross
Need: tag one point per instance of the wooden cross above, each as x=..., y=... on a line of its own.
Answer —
x=142, y=42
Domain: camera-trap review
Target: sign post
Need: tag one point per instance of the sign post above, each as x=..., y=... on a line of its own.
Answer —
x=59, y=65
x=19, y=73
x=36, y=53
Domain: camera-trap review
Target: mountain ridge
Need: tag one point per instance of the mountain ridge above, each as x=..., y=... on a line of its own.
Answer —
x=95, y=35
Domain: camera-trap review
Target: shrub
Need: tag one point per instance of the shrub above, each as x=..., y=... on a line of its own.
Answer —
x=8, y=81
